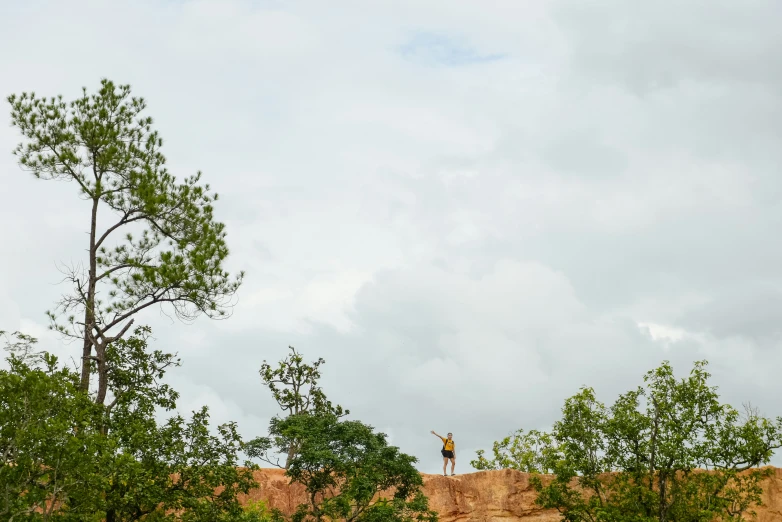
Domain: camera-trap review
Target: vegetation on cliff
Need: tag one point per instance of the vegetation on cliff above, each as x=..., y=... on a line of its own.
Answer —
x=349, y=471
x=100, y=442
x=66, y=458
x=666, y=451
x=84, y=444
x=294, y=387
x=88, y=444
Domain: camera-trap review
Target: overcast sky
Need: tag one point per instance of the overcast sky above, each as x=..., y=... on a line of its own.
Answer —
x=469, y=209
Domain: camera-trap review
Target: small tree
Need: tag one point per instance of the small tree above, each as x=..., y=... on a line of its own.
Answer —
x=151, y=239
x=294, y=386
x=676, y=453
x=530, y=452
x=350, y=472
x=257, y=511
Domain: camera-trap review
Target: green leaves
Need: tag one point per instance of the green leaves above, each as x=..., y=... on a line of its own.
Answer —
x=294, y=386
x=580, y=433
x=529, y=452
x=47, y=449
x=152, y=239
x=350, y=472
x=75, y=460
x=668, y=450
x=256, y=512
x=87, y=139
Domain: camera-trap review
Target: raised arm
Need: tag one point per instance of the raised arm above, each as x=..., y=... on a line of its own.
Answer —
x=436, y=435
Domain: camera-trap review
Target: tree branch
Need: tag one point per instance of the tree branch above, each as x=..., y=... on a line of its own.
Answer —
x=124, y=221
x=112, y=270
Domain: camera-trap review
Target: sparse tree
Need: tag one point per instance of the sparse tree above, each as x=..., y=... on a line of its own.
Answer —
x=530, y=452
x=294, y=386
x=151, y=239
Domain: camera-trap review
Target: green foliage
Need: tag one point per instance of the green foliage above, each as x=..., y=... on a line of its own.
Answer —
x=530, y=452
x=348, y=471
x=68, y=455
x=47, y=449
x=113, y=463
x=294, y=386
x=160, y=243
x=257, y=511
x=666, y=451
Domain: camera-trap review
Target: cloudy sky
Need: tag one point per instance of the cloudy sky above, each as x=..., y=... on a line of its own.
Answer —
x=469, y=209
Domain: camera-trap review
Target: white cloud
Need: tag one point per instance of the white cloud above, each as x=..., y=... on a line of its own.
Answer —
x=465, y=240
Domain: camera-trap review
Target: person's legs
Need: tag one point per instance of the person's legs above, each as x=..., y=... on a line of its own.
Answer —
x=453, y=464
x=445, y=464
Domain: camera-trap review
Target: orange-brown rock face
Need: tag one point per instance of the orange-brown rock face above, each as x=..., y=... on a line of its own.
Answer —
x=486, y=496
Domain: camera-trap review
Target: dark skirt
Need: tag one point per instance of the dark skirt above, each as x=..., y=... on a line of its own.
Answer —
x=447, y=454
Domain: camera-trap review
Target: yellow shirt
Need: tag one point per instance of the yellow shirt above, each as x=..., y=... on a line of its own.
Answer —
x=449, y=444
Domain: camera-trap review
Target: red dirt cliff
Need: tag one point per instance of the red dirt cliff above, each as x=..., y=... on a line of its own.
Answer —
x=486, y=496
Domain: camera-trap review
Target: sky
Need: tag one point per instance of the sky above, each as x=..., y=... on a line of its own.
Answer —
x=468, y=209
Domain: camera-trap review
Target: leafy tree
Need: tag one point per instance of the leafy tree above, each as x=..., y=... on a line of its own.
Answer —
x=294, y=386
x=676, y=453
x=529, y=452
x=43, y=456
x=72, y=459
x=350, y=472
x=172, y=467
x=152, y=240
x=582, y=457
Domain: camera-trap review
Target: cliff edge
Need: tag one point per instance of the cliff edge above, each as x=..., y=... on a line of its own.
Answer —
x=485, y=496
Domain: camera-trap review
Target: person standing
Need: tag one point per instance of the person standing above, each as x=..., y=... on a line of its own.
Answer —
x=448, y=452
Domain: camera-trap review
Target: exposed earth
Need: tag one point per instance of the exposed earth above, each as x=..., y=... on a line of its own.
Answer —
x=486, y=496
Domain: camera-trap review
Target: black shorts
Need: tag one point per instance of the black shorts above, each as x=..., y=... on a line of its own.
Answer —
x=447, y=454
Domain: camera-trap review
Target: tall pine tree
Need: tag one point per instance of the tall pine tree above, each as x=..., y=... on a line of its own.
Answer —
x=152, y=239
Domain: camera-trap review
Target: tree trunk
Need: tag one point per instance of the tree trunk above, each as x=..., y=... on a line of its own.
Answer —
x=291, y=453
x=84, y=384
x=103, y=373
x=89, y=306
x=663, y=511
